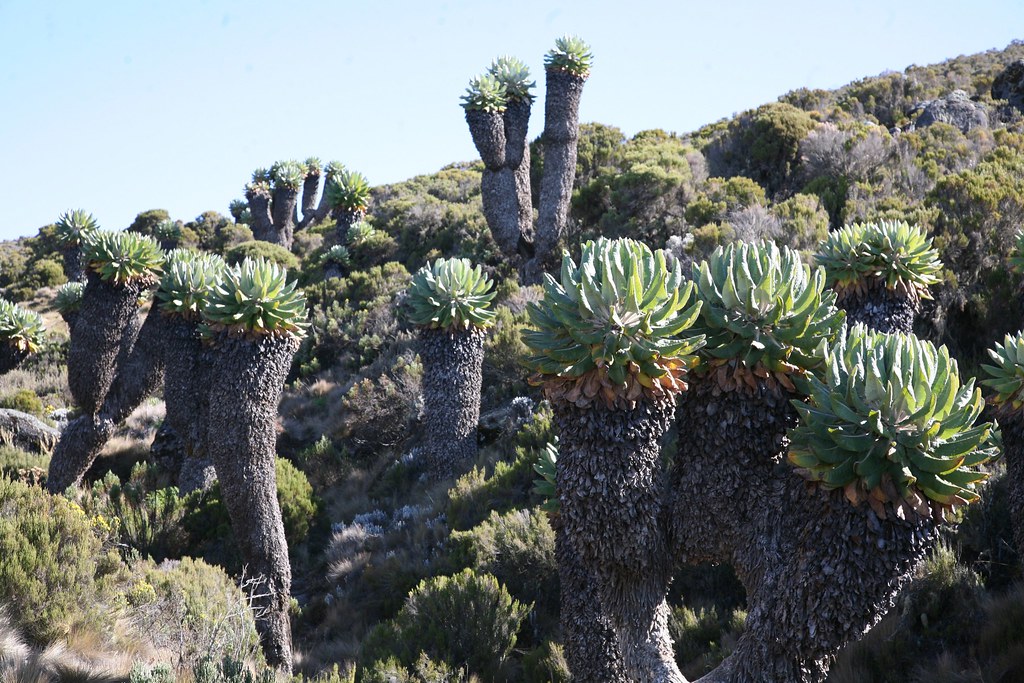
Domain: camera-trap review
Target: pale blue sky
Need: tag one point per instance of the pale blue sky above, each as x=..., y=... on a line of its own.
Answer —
x=123, y=106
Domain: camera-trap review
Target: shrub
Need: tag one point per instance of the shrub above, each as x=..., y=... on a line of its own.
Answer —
x=49, y=561
x=468, y=619
x=804, y=221
x=299, y=506
x=546, y=664
x=381, y=409
x=507, y=487
x=258, y=248
x=24, y=400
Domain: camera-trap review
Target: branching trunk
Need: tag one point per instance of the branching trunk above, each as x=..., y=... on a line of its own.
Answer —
x=452, y=377
x=488, y=131
x=259, y=211
x=80, y=443
x=96, y=347
x=818, y=572
x=591, y=648
x=501, y=208
x=245, y=379
x=309, y=189
x=881, y=310
x=610, y=488
x=561, y=132
x=283, y=215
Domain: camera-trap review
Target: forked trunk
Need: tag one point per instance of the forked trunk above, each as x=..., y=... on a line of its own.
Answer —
x=488, y=131
x=283, y=215
x=259, y=211
x=245, y=379
x=74, y=264
x=818, y=572
x=881, y=310
x=610, y=488
x=309, y=188
x=111, y=312
x=501, y=208
x=137, y=375
x=452, y=377
x=591, y=648
x=561, y=132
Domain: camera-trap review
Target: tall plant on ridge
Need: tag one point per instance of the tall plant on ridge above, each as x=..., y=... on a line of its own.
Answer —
x=612, y=346
x=272, y=196
x=73, y=230
x=1006, y=382
x=450, y=302
x=880, y=272
x=348, y=195
x=252, y=323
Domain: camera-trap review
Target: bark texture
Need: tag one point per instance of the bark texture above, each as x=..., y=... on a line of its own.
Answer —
x=310, y=185
x=74, y=263
x=96, y=347
x=11, y=357
x=610, y=488
x=501, y=208
x=488, y=131
x=345, y=219
x=282, y=211
x=881, y=310
x=259, y=210
x=26, y=432
x=452, y=376
x=80, y=443
x=818, y=572
x=1013, y=449
x=561, y=132
x=591, y=648
x=185, y=397
x=245, y=379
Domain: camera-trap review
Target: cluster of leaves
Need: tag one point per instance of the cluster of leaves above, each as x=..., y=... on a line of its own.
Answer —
x=891, y=423
x=348, y=190
x=20, y=328
x=1006, y=378
x=187, y=281
x=451, y=294
x=256, y=298
x=69, y=297
x=74, y=228
x=123, y=257
x=570, y=55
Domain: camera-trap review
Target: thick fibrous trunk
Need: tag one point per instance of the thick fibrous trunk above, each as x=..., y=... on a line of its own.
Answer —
x=561, y=131
x=818, y=572
x=283, y=215
x=881, y=310
x=137, y=377
x=501, y=208
x=309, y=188
x=1013, y=449
x=97, y=347
x=259, y=211
x=11, y=357
x=610, y=488
x=80, y=443
x=245, y=379
x=516, y=122
x=74, y=265
x=587, y=634
x=488, y=131
x=345, y=219
x=185, y=396
x=524, y=205
x=452, y=376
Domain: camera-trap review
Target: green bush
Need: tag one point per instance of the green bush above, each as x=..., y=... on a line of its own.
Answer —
x=507, y=487
x=258, y=248
x=50, y=555
x=546, y=664
x=703, y=637
x=299, y=506
x=468, y=619
x=804, y=222
x=24, y=400
x=423, y=670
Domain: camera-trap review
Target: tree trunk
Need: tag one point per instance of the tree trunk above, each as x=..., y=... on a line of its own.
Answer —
x=345, y=219
x=561, y=131
x=11, y=357
x=488, y=131
x=524, y=205
x=309, y=187
x=245, y=379
x=1013, y=449
x=259, y=210
x=591, y=648
x=108, y=321
x=74, y=264
x=283, y=215
x=881, y=310
x=818, y=572
x=610, y=488
x=501, y=208
x=137, y=377
x=452, y=377
x=185, y=396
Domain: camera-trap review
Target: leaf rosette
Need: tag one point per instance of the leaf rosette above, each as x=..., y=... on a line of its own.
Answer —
x=20, y=328
x=514, y=77
x=1006, y=377
x=894, y=255
x=485, y=93
x=766, y=315
x=616, y=328
x=123, y=257
x=74, y=227
x=347, y=190
x=451, y=294
x=253, y=299
x=546, y=467
x=188, y=279
x=890, y=423
x=1017, y=253
x=570, y=55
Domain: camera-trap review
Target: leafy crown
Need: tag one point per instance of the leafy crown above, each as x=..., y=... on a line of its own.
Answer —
x=451, y=294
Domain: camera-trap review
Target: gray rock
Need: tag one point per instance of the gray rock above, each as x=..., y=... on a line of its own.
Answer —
x=956, y=109
x=1009, y=85
x=26, y=432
